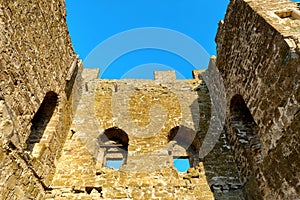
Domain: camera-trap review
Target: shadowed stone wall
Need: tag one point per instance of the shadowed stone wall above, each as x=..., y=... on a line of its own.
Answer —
x=258, y=57
x=37, y=59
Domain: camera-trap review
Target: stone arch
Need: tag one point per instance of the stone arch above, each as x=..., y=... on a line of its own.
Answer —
x=41, y=119
x=116, y=136
x=113, y=146
x=183, y=142
x=243, y=135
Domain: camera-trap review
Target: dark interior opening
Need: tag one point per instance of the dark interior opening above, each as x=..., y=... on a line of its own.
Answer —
x=245, y=141
x=41, y=119
x=115, y=136
x=242, y=120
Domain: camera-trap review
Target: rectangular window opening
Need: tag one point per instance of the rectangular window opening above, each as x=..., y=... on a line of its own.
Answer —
x=114, y=163
x=291, y=14
x=182, y=164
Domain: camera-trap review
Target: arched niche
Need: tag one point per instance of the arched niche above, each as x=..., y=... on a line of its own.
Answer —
x=243, y=125
x=183, y=147
x=243, y=136
x=41, y=119
x=113, y=148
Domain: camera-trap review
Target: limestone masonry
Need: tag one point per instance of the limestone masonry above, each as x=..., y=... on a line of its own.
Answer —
x=61, y=126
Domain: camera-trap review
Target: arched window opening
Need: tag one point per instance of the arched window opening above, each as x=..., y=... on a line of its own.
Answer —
x=114, y=147
x=242, y=122
x=41, y=120
x=184, y=151
x=243, y=134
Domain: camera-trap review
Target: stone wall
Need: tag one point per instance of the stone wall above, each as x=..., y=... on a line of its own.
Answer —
x=37, y=60
x=222, y=173
x=150, y=113
x=58, y=124
x=258, y=57
x=128, y=107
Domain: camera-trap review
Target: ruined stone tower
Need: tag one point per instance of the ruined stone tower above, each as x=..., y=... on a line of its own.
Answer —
x=61, y=126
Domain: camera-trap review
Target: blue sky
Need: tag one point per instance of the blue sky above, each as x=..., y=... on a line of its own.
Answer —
x=92, y=22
